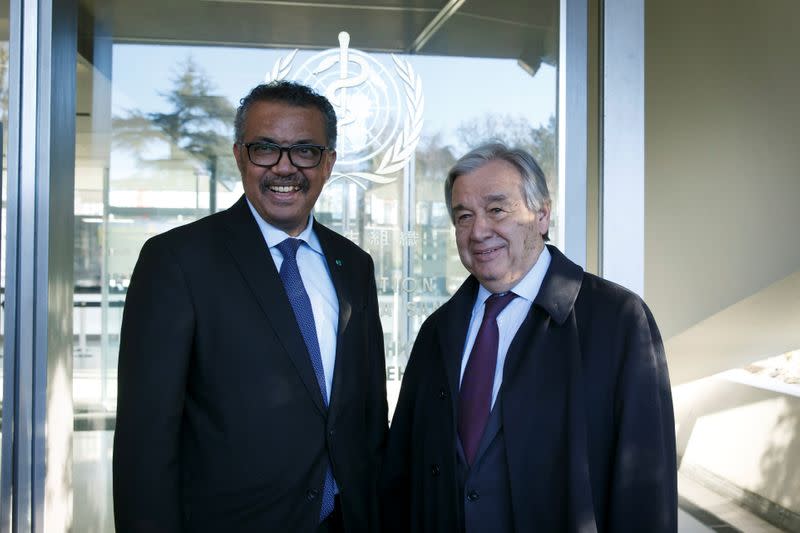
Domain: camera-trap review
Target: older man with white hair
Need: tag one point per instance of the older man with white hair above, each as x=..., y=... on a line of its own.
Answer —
x=537, y=398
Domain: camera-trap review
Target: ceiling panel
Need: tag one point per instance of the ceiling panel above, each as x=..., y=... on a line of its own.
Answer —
x=479, y=28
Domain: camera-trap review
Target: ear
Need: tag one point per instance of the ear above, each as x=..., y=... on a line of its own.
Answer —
x=330, y=160
x=543, y=218
x=240, y=155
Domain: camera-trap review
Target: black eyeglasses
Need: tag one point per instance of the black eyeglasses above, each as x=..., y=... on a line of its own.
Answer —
x=264, y=154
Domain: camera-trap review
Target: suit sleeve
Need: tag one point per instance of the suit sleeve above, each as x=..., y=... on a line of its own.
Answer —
x=395, y=483
x=643, y=494
x=155, y=348
x=377, y=408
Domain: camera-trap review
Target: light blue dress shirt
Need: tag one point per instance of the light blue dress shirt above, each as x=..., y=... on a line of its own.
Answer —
x=318, y=284
x=510, y=319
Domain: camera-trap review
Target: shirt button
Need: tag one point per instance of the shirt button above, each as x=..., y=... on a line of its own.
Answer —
x=473, y=496
x=435, y=470
x=311, y=494
x=442, y=393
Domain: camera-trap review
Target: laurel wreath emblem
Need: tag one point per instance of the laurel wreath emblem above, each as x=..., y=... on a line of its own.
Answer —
x=281, y=68
x=395, y=158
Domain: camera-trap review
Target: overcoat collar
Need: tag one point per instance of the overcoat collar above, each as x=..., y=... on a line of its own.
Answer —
x=560, y=287
x=543, y=415
x=556, y=298
x=452, y=334
x=246, y=244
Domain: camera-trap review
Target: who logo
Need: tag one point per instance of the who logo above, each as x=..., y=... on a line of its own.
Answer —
x=379, y=110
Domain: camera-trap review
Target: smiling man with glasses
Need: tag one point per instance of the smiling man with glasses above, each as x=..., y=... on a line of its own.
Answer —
x=283, y=155
x=252, y=394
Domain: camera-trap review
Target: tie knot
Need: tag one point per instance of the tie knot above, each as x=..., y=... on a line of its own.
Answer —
x=288, y=247
x=496, y=303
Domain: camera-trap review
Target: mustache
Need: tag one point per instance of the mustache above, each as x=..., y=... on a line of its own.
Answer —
x=297, y=180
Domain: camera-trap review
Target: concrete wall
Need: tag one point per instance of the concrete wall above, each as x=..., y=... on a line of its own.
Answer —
x=743, y=441
x=722, y=173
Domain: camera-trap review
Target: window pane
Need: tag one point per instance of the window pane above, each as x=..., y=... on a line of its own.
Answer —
x=4, y=38
x=154, y=152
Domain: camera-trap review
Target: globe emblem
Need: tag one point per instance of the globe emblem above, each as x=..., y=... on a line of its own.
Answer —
x=366, y=100
x=379, y=124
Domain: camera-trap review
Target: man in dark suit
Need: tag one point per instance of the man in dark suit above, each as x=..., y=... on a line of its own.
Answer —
x=252, y=395
x=537, y=398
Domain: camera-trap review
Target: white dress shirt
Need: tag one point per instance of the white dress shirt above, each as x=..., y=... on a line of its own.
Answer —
x=510, y=319
x=317, y=281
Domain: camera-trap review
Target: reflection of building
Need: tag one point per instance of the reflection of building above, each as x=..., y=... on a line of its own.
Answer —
x=713, y=112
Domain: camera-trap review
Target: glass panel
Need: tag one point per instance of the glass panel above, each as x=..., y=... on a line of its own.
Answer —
x=154, y=152
x=4, y=37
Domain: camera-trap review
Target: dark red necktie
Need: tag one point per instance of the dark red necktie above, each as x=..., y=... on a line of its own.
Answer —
x=475, y=397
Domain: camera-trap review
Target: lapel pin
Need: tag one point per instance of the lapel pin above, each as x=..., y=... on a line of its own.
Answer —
x=338, y=262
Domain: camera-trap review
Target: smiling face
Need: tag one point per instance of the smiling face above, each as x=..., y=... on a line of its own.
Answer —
x=283, y=194
x=499, y=238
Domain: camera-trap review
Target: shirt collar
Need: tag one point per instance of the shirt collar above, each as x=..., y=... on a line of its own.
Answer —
x=528, y=287
x=274, y=236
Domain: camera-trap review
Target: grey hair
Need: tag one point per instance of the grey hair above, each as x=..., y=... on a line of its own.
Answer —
x=534, y=184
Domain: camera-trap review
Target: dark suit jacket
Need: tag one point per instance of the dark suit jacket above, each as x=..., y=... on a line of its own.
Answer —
x=221, y=425
x=586, y=415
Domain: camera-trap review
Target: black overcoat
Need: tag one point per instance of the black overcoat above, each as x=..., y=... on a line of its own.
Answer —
x=586, y=414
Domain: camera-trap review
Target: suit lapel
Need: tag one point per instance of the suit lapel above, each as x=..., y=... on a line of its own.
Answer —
x=493, y=425
x=251, y=254
x=335, y=258
x=527, y=340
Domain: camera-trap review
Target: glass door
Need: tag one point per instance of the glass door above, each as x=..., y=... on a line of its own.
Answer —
x=414, y=86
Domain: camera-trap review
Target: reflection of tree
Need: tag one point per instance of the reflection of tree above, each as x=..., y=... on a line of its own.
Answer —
x=515, y=131
x=198, y=123
x=433, y=158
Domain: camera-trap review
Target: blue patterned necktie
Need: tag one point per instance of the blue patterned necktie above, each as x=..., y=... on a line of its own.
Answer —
x=475, y=396
x=301, y=305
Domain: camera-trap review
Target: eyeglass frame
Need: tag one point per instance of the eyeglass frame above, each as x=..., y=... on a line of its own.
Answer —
x=288, y=150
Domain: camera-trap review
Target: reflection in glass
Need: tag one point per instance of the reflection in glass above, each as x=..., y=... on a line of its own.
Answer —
x=3, y=190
